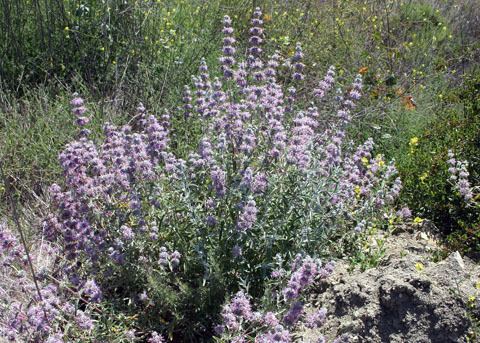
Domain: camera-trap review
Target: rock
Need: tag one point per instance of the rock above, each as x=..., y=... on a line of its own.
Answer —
x=458, y=258
x=399, y=302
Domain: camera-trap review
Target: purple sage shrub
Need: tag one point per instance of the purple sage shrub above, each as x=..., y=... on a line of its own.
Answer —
x=459, y=174
x=283, y=309
x=36, y=310
x=168, y=231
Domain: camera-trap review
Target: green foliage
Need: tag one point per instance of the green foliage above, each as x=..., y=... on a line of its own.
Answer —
x=424, y=169
x=372, y=249
x=33, y=130
x=111, y=45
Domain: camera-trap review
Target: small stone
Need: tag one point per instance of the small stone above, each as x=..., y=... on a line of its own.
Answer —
x=458, y=258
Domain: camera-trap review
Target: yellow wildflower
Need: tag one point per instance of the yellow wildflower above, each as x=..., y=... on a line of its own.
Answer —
x=423, y=176
x=357, y=191
x=413, y=143
x=418, y=220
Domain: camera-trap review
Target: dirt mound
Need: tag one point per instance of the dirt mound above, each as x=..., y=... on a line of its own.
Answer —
x=408, y=298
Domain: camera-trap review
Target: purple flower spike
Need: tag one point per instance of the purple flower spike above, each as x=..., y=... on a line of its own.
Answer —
x=92, y=291
x=316, y=319
x=248, y=217
x=293, y=314
x=156, y=338
x=78, y=109
x=227, y=60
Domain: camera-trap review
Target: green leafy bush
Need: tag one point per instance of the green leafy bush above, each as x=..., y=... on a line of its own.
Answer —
x=424, y=168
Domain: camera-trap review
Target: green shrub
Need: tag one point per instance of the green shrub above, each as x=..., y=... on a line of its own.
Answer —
x=108, y=44
x=425, y=172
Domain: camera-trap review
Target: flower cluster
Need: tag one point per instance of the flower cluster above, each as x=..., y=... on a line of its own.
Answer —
x=235, y=313
x=298, y=66
x=166, y=259
x=241, y=324
x=316, y=319
x=34, y=307
x=228, y=60
x=247, y=217
x=459, y=176
x=79, y=110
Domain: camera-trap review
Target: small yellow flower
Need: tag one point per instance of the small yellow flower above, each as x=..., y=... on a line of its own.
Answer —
x=132, y=221
x=123, y=205
x=419, y=266
x=418, y=220
x=380, y=160
x=66, y=28
x=357, y=191
x=364, y=160
x=423, y=176
x=413, y=143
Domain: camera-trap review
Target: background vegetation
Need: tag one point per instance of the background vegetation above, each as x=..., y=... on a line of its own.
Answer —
x=419, y=60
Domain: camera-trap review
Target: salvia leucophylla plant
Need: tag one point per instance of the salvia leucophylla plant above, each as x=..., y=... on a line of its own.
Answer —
x=283, y=312
x=168, y=237
x=459, y=175
x=43, y=308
